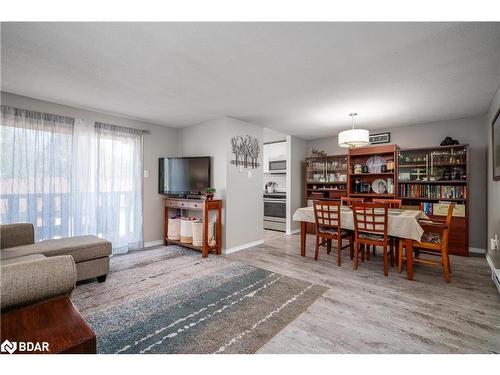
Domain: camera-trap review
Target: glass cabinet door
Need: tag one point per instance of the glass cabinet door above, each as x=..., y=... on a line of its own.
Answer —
x=447, y=164
x=326, y=170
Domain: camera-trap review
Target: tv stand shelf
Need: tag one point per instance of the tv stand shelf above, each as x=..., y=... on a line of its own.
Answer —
x=204, y=206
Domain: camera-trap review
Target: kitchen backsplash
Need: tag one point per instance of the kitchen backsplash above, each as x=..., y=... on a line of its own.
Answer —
x=280, y=180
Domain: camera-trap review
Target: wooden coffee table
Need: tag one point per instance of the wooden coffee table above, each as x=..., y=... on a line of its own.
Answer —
x=56, y=322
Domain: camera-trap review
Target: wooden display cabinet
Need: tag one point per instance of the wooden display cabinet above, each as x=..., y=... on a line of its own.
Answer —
x=360, y=156
x=426, y=178
x=432, y=176
x=325, y=178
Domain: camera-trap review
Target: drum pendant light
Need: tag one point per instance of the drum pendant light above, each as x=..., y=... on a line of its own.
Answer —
x=354, y=137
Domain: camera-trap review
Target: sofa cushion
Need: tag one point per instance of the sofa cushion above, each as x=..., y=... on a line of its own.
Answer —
x=20, y=234
x=81, y=248
x=27, y=258
x=25, y=283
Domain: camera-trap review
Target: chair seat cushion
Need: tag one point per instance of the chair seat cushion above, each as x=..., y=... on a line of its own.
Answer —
x=81, y=248
x=343, y=232
x=371, y=236
x=431, y=237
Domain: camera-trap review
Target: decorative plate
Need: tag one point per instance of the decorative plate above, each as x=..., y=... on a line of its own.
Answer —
x=375, y=164
x=379, y=186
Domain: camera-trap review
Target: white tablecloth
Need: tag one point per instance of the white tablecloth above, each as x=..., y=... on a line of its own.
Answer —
x=402, y=223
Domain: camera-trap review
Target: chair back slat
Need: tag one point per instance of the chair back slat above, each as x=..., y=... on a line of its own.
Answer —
x=327, y=215
x=391, y=203
x=371, y=218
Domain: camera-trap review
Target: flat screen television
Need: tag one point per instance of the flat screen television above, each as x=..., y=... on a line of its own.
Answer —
x=189, y=175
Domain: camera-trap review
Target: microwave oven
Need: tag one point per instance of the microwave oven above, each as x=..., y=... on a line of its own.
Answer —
x=277, y=166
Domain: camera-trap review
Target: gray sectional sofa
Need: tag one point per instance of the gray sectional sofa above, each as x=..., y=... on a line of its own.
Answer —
x=31, y=272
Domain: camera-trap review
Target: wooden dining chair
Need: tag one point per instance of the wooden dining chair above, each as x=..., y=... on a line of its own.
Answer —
x=370, y=228
x=349, y=201
x=328, y=227
x=434, y=242
x=391, y=203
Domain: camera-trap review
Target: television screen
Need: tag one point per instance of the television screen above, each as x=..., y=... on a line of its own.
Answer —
x=184, y=175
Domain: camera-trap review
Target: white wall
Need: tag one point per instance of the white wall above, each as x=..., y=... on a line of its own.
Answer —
x=297, y=150
x=270, y=135
x=466, y=131
x=242, y=195
x=162, y=141
x=244, y=200
x=208, y=139
x=493, y=205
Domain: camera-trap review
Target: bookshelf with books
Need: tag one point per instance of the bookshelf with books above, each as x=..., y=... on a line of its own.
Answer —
x=432, y=177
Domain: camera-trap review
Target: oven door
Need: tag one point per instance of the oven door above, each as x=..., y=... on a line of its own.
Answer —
x=275, y=209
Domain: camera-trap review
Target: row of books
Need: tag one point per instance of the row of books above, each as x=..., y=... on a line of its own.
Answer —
x=433, y=191
x=427, y=208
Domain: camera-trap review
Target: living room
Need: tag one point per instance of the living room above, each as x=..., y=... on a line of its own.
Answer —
x=250, y=188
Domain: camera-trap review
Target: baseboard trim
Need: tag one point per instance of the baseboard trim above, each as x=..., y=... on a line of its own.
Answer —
x=476, y=250
x=153, y=243
x=495, y=273
x=242, y=247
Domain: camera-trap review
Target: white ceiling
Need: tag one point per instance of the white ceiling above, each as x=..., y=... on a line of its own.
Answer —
x=298, y=78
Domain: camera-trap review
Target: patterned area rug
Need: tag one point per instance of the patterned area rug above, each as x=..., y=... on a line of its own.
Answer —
x=170, y=300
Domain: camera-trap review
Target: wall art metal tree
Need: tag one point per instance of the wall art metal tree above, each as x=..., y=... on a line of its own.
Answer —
x=246, y=151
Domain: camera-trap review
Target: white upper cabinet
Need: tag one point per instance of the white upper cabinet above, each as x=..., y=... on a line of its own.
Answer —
x=265, y=155
x=277, y=151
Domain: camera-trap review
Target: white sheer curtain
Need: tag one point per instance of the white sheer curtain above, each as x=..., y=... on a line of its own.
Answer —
x=35, y=171
x=71, y=177
x=119, y=184
x=84, y=200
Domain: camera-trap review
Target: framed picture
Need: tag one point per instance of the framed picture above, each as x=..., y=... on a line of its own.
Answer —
x=495, y=139
x=380, y=138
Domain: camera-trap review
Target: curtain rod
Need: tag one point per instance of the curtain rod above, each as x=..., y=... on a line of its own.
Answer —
x=48, y=116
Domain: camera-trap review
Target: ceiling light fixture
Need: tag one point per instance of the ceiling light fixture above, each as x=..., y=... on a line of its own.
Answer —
x=354, y=137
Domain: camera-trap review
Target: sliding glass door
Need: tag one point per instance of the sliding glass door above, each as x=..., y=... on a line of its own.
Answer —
x=71, y=177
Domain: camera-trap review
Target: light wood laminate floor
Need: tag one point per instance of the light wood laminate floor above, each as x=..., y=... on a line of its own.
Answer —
x=365, y=312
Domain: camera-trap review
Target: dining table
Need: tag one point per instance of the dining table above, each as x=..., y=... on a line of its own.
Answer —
x=402, y=224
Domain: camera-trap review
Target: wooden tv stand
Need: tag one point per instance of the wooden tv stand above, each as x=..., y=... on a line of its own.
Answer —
x=196, y=205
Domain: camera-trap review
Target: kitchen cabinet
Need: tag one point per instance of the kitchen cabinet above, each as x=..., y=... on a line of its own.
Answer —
x=265, y=154
x=277, y=151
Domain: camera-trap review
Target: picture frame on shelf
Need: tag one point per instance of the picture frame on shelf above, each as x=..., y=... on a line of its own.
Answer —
x=380, y=138
x=495, y=146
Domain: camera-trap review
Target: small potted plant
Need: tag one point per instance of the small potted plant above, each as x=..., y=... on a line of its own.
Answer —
x=209, y=194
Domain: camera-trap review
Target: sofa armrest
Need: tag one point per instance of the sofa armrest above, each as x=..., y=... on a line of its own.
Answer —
x=12, y=235
x=28, y=282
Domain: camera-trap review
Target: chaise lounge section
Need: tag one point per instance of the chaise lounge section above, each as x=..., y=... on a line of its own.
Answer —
x=90, y=253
